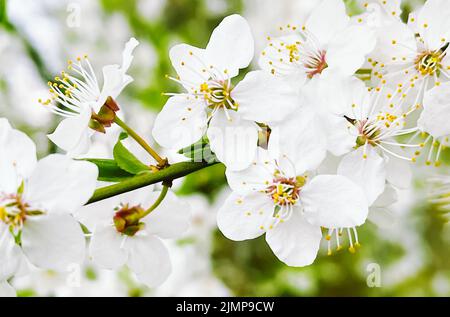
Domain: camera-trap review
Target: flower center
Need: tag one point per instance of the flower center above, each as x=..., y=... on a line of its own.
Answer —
x=217, y=94
x=14, y=211
x=285, y=191
x=315, y=63
x=127, y=220
x=429, y=63
x=71, y=91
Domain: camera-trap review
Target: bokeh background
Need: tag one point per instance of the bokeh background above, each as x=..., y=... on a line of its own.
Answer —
x=409, y=248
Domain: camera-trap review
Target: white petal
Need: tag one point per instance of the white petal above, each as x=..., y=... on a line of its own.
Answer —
x=334, y=201
x=348, y=49
x=382, y=217
x=106, y=248
x=436, y=113
x=72, y=134
x=276, y=59
x=60, y=184
x=245, y=217
x=255, y=177
x=10, y=254
x=233, y=140
x=300, y=139
x=127, y=54
x=7, y=290
x=181, y=123
x=265, y=98
x=328, y=18
x=190, y=64
x=149, y=259
x=53, y=241
x=369, y=173
x=295, y=241
x=398, y=172
x=114, y=81
x=341, y=135
x=115, y=78
x=9, y=180
x=17, y=148
x=434, y=24
x=231, y=45
x=170, y=219
x=387, y=198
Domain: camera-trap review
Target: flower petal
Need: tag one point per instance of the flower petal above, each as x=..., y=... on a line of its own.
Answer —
x=433, y=23
x=106, y=248
x=10, y=253
x=232, y=139
x=190, y=64
x=245, y=217
x=114, y=81
x=347, y=50
x=231, y=46
x=127, y=54
x=295, y=241
x=436, y=113
x=72, y=134
x=253, y=178
x=398, y=172
x=60, y=184
x=17, y=148
x=369, y=173
x=53, y=241
x=328, y=18
x=149, y=260
x=170, y=219
x=301, y=140
x=334, y=201
x=181, y=123
x=265, y=98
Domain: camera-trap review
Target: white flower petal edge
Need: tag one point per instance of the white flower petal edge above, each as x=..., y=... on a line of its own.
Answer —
x=107, y=247
x=245, y=217
x=369, y=173
x=115, y=77
x=53, y=241
x=265, y=98
x=149, y=260
x=233, y=139
x=334, y=201
x=16, y=148
x=295, y=242
x=72, y=134
x=301, y=139
x=60, y=184
x=436, y=113
x=231, y=46
x=180, y=123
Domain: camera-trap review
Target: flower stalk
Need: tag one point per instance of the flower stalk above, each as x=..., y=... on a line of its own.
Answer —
x=162, y=162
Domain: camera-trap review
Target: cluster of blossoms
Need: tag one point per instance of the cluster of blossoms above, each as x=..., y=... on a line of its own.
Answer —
x=319, y=137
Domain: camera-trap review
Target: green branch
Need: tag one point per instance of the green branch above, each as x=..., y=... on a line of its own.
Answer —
x=165, y=175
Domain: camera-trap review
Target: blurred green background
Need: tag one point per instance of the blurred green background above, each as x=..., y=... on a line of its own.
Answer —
x=412, y=253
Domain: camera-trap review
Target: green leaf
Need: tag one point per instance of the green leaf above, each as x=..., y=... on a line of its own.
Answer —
x=109, y=170
x=125, y=159
x=199, y=152
x=3, y=13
